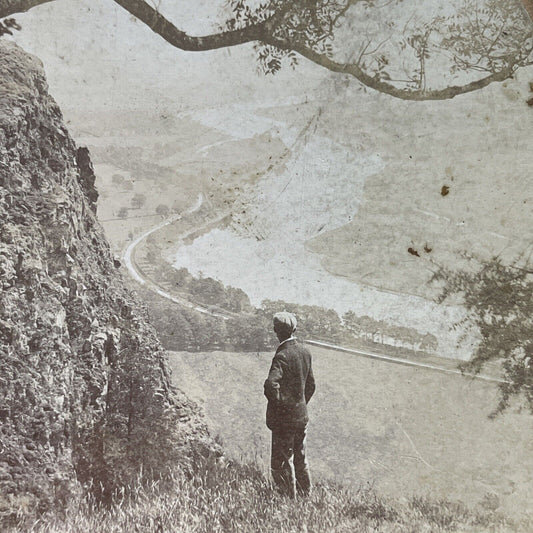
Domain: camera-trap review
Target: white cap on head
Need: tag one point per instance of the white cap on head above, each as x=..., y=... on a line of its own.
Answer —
x=287, y=320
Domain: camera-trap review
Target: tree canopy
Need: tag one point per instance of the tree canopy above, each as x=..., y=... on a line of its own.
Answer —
x=405, y=48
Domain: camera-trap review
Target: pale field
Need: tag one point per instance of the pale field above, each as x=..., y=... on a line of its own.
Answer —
x=405, y=431
x=477, y=146
x=188, y=168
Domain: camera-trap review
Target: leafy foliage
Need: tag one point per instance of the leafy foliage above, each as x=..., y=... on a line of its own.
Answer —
x=499, y=300
x=8, y=25
x=308, y=22
x=487, y=36
x=405, y=48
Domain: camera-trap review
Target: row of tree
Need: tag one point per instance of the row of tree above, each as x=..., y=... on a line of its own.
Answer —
x=207, y=292
x=243, y=331
x=183, y=329
x=379, y=331
x=319, y=323
x=250, y=329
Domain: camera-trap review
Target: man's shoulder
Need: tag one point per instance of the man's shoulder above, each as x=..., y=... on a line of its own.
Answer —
x=296, y=347
x=304, y=350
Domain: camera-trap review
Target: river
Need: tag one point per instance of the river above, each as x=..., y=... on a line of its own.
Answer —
x=263, y=251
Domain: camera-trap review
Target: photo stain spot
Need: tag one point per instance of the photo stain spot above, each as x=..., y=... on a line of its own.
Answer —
x=445, y=190
x=427, y=249
x=412, y=251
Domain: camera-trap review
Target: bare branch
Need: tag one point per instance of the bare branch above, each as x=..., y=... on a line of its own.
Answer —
x=269, y=31
x=163, y=27
x=264, y=32
x=10, y=7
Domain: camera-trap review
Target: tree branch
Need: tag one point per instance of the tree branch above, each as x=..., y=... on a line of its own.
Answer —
x=10, y=7
x=387, y=88
x=263, y=32
x=163, y=27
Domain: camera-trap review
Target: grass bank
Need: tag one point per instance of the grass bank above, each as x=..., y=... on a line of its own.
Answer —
x=227, y=497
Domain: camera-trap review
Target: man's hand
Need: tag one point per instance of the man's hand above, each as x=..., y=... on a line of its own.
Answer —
x=309, y=386
x=272, y=387
x=272, y=391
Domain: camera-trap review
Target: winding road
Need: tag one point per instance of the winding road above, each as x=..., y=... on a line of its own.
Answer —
x=129, y=260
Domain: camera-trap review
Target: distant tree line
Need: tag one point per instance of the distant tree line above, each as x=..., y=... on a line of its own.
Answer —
x=250, y=329
x=326, y=324
x=379, y=331
x=183, y=329
x=207, y=292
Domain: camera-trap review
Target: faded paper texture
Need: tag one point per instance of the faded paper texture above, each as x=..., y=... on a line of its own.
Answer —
x=228, y=194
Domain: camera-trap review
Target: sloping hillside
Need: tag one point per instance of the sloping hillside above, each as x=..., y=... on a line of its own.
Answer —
x=399, y=429
x=84, y=387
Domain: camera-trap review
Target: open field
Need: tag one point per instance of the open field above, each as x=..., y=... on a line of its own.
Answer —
x=165, y=184
x=477, y=147
x=405, y=431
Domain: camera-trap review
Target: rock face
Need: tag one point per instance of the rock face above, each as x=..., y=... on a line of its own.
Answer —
x=84, y=386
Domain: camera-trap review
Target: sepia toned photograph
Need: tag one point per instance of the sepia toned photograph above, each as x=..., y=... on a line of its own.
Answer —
x=266, y=266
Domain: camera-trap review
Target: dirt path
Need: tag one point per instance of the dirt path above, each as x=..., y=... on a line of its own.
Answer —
x=129, y=260
x=405, y=362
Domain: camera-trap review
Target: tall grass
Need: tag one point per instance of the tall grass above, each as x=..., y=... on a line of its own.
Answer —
x=233, y=497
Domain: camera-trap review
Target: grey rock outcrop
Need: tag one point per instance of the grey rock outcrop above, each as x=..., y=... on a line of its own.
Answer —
x=84, y=386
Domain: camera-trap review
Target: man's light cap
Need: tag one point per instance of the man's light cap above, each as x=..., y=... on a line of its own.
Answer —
x=287, y=320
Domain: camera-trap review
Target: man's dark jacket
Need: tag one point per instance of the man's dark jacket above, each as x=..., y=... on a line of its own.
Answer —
x=289, y=386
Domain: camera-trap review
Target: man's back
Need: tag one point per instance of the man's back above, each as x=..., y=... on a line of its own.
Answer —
x=289, y=386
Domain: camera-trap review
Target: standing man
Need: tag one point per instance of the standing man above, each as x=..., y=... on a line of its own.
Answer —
x=289, y=387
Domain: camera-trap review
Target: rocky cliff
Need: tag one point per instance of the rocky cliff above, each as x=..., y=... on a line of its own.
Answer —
x=84, y=388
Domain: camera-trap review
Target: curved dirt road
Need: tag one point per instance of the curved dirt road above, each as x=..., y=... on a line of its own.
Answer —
x=129, y=260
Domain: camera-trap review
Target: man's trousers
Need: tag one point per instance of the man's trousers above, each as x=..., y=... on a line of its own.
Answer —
x=290, y=469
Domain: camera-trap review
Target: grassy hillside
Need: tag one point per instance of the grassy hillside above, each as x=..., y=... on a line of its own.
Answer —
x=475, y=146
x=402, y=430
